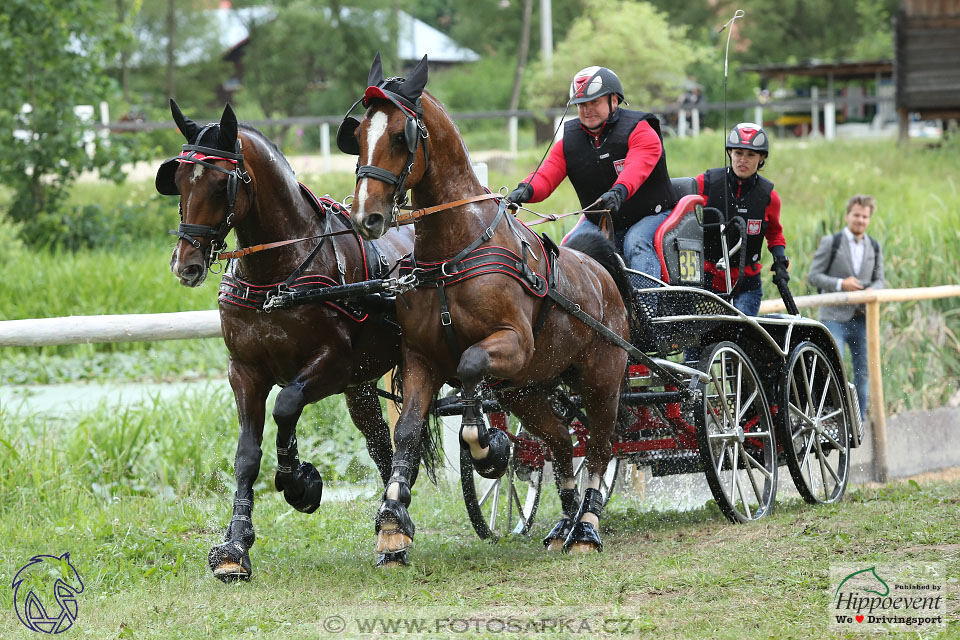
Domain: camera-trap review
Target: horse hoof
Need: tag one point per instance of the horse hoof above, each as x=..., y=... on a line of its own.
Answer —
x=558, y=535
x=584, y=538
x=230, y=571
x=392, y=560
x=555, y=545
x=230, y=562
x=391, y=540
x=304, y=490
x=494, y=465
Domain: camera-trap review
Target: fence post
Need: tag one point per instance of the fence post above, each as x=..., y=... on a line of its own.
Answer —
x=681, y=123
x=325, y=145
x=878, y=418
x=758, y=115
x=514, y=147
x=695, y=122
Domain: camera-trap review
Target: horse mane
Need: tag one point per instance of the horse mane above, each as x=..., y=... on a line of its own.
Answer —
x=270, y=143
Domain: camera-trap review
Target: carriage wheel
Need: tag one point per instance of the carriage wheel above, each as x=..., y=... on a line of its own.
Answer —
x=507, y=504
x=815, y=430
x=735, y=435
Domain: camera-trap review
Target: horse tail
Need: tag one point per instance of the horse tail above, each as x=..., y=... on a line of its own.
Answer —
x=431, y=435
x=596, y=245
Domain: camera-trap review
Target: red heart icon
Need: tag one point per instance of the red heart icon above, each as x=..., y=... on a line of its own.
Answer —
x=859, y=618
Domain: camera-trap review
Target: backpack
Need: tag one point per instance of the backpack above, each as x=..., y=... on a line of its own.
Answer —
x=835, y=246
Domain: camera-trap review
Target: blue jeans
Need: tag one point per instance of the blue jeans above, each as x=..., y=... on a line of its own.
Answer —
x=748, y=302
x=853, y=333
x=635, y=243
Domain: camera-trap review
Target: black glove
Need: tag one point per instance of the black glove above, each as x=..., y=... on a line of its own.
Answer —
x=612, y=200
x=521, y=194
x=779, y=268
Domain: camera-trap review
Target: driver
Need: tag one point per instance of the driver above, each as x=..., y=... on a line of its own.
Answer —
x=751, y=197
x=614, y=156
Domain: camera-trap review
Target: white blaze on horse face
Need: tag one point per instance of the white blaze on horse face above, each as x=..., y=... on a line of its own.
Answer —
x=375, y=131
x=197, y=173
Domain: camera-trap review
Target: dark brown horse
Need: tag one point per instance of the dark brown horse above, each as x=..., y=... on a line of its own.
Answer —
x=231, y=176
x=480, y=312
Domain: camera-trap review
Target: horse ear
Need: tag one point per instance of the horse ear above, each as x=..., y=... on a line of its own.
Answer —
x=417, y=80
x=188, y=127
x=228, y=129
x=376, y=72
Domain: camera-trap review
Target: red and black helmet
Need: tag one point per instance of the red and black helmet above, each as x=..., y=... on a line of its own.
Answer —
x=748, y=135
x=593, y=82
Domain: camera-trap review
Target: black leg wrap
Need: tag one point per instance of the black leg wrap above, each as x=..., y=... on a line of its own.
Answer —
x=302, y=489
x=395, y=512
x=585, y=532
x=494, y=464
x=399, y=557
x=569, y=502
x=560, y=531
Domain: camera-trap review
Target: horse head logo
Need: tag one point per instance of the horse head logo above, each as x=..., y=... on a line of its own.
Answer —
x=45, y=593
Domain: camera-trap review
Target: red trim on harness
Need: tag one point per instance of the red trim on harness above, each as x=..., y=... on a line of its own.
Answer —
x=193, y=156
x=377, y=92
x=685, y=206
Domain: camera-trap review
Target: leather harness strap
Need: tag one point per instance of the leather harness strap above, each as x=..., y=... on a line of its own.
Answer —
x=416, y=214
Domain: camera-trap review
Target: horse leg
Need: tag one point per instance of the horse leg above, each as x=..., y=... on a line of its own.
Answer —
x=534, y=408
x=393, y=525
x=600, y=403
x=300, y=482
x=364, y=407
x=500, y=355
x=231, y=560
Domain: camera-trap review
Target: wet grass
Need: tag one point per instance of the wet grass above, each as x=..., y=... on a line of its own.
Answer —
x=662, y=574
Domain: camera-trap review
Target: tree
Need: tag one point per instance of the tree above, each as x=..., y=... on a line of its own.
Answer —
x=631, y=38
x=54, y=53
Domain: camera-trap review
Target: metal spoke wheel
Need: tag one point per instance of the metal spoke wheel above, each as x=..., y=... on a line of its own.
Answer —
x=815, y=428
x=735, y=434
x=509, y=503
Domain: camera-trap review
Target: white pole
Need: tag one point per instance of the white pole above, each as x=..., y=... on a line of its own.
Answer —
x=325, y=146
x=814, y=112
x=695, y=121
x=830, y=120
x=546, y=35
x=758, y=115
x=682, y=123
x=122, y=328
x=513, y=127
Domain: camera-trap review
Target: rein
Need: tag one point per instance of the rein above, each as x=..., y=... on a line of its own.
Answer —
x=239, y=253
x=416, y=214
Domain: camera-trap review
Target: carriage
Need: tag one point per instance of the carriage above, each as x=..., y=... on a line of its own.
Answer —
x=706, y=388
x=768, y=391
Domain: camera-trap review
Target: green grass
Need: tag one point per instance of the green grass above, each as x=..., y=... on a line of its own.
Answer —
x=138, y=497
x=917, y=222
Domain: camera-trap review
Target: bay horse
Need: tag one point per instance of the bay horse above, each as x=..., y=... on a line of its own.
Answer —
x=230, y=176
x=480, y=312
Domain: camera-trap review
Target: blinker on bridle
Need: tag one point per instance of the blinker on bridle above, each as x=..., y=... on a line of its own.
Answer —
x=197, y=154
x=414, y=130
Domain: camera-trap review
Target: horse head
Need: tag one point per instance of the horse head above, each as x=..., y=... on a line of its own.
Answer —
x=41, y=582
x=207, y=176
x=392, y=143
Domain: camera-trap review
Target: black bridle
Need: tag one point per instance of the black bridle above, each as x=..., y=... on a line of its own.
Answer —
x=197, y=154
x=414, y=131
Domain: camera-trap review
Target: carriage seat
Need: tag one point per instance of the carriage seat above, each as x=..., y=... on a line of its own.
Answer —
x=679, y=239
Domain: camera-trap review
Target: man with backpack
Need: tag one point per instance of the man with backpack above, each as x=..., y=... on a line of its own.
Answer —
x=850, y=261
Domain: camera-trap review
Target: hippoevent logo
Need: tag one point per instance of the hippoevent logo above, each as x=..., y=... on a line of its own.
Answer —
x=887, y=596
x=45, y=593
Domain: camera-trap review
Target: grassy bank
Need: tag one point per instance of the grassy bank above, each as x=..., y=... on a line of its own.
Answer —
x=139, y=512
x=917, y=224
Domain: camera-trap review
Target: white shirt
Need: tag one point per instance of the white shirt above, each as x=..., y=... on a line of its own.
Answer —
x=856, y=253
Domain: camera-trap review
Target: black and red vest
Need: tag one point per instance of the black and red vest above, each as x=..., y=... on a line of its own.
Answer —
x=593, y=170
x=748, y=199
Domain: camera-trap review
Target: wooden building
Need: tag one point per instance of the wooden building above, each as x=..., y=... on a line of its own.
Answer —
x=927, y=60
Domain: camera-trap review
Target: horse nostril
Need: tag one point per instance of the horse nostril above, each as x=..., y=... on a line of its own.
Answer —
x=191, y=272
x=373, y=222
